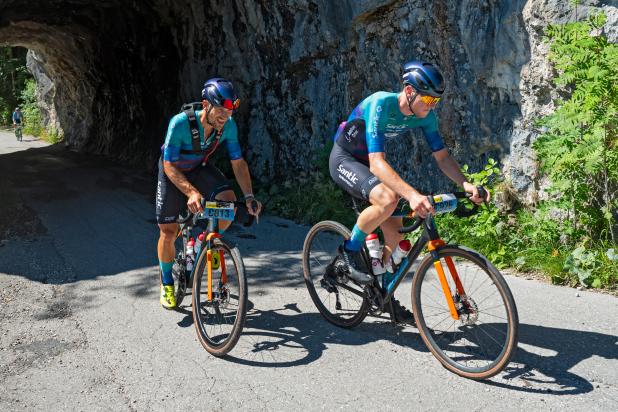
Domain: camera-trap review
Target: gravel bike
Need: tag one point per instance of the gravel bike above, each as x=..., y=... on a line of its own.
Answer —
x=219, y=284
x=18, y=132
x=468, y=320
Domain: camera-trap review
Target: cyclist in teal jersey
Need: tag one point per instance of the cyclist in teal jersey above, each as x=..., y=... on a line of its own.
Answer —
x=186, y=177
x=358, y=163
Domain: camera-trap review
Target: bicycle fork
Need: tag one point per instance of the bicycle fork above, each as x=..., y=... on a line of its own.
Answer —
x=210, y=255
x=433, y=246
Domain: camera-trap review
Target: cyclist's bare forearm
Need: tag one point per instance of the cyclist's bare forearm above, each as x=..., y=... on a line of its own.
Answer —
x=243, y=177
x=387, y=175
x=450, y=167
x=178, y=179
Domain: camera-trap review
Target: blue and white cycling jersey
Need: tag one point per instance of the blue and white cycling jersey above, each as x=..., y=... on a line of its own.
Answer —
x=378, y=118
x=178, y=145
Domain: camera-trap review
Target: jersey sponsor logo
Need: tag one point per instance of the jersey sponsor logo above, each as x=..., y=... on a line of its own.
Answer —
x=395, y=130
x=348, y=174
x=159, y=195
x=376, y=122
x=372, y=180
x=351, y=133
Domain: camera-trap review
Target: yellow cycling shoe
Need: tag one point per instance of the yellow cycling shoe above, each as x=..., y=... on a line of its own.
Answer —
x=168, y=300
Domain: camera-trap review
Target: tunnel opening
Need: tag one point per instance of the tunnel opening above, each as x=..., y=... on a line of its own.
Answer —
x=107, y=74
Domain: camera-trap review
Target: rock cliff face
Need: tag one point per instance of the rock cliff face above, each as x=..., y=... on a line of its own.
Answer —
x=112, y=73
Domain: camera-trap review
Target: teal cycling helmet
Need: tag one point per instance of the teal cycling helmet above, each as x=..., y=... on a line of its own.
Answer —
x=424, y=77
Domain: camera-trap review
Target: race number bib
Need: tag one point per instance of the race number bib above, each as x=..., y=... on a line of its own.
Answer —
x=218, y=210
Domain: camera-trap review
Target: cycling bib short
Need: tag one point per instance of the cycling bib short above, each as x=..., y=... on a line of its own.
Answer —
x=170, y=201
x=351, y=175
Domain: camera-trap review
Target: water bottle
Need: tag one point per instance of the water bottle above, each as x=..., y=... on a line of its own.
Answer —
x=375, y=255
x=402, y=250
x=444, y=203
x=198, y=244
x=190, y=252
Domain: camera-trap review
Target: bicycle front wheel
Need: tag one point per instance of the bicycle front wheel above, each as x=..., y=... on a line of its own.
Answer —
x=480, y=343
x=339, y=300
x=219, y=313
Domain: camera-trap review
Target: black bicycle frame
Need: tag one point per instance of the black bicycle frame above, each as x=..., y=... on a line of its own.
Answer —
x=429, y=233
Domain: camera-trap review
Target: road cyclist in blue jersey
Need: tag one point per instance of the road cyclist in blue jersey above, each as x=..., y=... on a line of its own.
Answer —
x=358, y=164
x=18, y=120
x=185, y=176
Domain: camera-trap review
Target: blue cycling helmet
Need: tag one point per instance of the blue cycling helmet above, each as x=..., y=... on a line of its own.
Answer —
x=220, y=92
x=424, y=77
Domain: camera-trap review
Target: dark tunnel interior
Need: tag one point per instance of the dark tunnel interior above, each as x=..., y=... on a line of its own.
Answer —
x=112, y=67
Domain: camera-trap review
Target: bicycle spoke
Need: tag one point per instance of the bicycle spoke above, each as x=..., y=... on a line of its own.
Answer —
x=480, y=301
x=493, y=316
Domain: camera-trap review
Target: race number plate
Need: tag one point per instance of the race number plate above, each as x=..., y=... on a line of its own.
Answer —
x=218, y=210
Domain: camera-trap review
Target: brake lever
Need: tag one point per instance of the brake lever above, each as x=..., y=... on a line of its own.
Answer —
x=254, y=207
x=483, y=194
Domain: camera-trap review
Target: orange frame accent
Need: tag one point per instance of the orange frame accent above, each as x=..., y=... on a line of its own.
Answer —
x=433, y=245
x=209, y=271
x=209, y=262
x=222, y=266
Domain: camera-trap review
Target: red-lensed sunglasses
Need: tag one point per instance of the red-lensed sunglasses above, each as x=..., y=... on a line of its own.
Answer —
x=429, y=100
x=230, y=104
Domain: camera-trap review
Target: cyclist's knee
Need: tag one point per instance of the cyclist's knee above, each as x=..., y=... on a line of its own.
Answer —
x=384, y=197
x=168, y=231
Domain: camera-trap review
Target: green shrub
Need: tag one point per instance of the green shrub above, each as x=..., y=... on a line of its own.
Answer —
x=33, y=122
x=538, y=239
x=578, y=148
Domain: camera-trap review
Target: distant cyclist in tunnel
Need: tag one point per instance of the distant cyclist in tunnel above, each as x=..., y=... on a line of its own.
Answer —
x=186, y=177
x=358, y=162
x=18, y=120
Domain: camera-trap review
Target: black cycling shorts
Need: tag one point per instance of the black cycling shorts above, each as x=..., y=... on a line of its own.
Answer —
x=350, y=174
x=170, y=201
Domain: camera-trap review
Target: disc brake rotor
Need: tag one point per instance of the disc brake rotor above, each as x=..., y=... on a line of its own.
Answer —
x=467, y=308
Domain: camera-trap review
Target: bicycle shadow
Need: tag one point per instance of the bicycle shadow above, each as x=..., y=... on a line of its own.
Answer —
x=287, y=337
x=274, y=338
x=532, y=365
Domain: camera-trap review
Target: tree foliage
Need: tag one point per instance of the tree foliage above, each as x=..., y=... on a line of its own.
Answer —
x=13, y=77
x=579, y=146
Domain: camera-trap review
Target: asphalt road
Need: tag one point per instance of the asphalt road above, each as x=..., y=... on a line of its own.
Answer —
x=81, y=327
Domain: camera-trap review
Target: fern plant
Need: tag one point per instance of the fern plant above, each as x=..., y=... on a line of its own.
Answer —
x=579, y=146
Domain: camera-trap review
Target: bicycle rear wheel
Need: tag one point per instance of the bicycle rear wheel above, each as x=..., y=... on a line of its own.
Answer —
x=339, y=299
x=480, y=343
x=219, y=319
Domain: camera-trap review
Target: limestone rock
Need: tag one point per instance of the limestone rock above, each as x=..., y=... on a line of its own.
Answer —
x=111, y=73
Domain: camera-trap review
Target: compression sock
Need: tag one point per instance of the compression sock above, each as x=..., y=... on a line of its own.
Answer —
x=355, y=242
x=166, y=273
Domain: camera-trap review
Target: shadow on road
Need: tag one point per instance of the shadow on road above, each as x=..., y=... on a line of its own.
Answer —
x=70, y=216
x=288, y=337
x=567, y=348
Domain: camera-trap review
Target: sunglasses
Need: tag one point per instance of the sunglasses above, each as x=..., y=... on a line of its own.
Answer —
x=230, y=104
x=429, y=100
